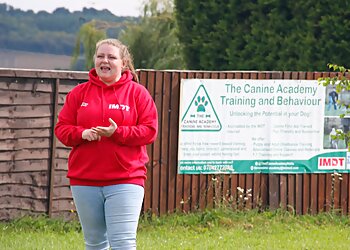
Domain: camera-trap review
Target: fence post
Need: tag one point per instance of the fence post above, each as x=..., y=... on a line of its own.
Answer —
x=52, y=163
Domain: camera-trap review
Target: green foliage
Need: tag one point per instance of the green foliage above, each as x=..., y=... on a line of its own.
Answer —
x=42, y=223
x=153, y=42
x=341, y=82
x=88, y=36
x=263, y=35
x=45, y=32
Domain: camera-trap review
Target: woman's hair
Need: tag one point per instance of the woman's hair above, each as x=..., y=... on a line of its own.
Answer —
x=124, y=53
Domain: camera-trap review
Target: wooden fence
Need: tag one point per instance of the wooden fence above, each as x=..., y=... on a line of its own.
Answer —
x=33, y=163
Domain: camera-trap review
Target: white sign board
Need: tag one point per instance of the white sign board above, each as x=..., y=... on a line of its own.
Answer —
x=254, y=126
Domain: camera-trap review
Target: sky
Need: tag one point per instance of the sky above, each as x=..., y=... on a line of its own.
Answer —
x=117, y=7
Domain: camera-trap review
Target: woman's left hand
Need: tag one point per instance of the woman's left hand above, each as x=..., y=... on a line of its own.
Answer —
x=106, y=131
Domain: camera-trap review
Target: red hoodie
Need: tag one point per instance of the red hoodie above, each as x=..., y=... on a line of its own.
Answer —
x=118, y=159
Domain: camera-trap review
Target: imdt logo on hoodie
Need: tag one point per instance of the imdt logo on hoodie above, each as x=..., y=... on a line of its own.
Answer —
x=119, y=106
x=331, y=163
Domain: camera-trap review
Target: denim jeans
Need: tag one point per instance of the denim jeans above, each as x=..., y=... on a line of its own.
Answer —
x=330, y=103
x=109, y=215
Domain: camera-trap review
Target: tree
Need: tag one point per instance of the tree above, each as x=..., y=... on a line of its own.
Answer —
x=53, y=33
x=153, y=42
x=89, y=34
x=293, y=35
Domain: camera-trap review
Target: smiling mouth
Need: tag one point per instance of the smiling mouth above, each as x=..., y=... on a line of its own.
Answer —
x=105, y=68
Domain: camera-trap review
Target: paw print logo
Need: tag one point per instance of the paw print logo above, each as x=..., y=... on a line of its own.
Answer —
x=201, y=103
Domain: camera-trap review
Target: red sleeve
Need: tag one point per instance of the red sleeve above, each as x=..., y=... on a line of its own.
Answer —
x=66, y=129
x=145, y=132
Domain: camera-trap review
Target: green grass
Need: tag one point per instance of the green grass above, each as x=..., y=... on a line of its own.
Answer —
x=215, y=229
x=333, y=112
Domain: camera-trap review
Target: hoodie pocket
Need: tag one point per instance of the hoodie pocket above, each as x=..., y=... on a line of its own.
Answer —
x=128, y=157
x=121, y=163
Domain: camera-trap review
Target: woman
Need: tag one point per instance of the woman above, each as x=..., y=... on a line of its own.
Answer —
x=108, y=121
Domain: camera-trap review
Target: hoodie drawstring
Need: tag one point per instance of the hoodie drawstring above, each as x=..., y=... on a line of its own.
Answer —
x=103, y=105
x=116, y=97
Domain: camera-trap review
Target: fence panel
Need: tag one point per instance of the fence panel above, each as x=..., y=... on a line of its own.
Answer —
x=33, y=165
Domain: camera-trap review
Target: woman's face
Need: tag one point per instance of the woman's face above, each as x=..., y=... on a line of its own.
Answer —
x=108, y=63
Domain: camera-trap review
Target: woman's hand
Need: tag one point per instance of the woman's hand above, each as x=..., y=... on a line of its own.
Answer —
x=106, y=131
x=90, y=135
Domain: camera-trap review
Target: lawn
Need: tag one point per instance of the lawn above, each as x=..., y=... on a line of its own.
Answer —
x=215, y=229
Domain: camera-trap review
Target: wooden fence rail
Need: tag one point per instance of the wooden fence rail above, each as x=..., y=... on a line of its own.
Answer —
x=33, y=164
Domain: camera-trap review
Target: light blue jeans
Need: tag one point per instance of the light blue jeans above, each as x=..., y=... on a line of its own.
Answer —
x=109, y=215
x=330, y=103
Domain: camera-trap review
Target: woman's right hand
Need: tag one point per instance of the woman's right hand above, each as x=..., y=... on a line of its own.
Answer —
x=90, y=135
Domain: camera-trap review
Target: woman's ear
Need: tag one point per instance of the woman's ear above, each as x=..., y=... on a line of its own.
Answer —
x=125, y=64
